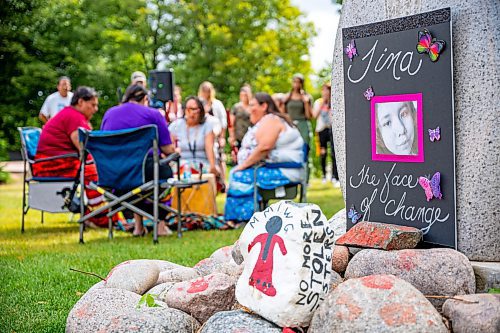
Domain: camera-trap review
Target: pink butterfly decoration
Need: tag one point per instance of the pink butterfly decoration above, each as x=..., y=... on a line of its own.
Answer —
x=431, y=187
x=369, y=93
x=435, y=134
x=351, y=50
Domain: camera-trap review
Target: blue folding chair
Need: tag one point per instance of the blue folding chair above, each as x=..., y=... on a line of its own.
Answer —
x=120, y=157
x=46, y=194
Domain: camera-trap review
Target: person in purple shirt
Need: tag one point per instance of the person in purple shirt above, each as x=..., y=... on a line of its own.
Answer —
x=135, y=112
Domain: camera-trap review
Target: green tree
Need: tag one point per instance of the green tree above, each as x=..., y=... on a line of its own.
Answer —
x=234, y=42
x=95, y=43
x=99, y=43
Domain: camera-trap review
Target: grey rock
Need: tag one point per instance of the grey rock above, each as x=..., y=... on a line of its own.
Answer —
x=98, y=285
x=442, y=272
x=338, y=222
x=476, y=30
x=335, y=280
x=160, y=289
x=209, y=265
x=223, y=255
x=480, y=317
x=164, y=265
x=376, y=303
x=177, y=275
x=354, y=250
x=157, y=320
x=206, y=266
x=231, y=269
x=487, y=275
x=236, y=253
x=97, y=306
x=340, y=258
x=136, y=276
x=204, y=296
x=238, y=321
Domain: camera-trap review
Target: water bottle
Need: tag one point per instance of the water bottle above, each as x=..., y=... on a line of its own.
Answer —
x=187, y=171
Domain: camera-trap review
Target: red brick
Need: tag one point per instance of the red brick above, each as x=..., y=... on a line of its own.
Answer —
x=381, y=236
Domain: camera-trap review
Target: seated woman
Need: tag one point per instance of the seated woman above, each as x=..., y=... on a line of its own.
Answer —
x=60, y=136
x=134, y=112
x=273, y=138
x=194, y=139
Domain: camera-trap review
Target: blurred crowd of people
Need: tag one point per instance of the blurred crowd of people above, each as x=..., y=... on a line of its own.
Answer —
x=259, y=127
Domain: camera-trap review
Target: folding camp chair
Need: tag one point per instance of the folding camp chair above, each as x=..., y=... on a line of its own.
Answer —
x=120, y=157
x=46, y=194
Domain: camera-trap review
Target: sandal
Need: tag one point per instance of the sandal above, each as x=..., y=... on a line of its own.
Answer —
x=166, y=232
x=140, y=234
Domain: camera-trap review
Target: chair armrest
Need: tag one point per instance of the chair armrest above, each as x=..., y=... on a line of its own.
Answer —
x=170, y=158
x=184, y=183
x=54, y=157
x=284, y=165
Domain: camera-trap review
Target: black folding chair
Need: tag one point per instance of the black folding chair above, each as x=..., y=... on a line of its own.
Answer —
x=289, y=191
x=120, y=157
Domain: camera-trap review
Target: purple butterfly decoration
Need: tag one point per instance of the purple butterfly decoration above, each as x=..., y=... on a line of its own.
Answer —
x=435, y=134
x=351, y=50
x=354, y=215
x=431, y=187
x=369, y=93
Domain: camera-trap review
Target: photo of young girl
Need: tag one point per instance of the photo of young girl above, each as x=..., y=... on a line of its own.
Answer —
x=396, y=128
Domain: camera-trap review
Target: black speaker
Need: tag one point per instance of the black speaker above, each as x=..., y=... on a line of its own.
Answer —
x=161, y=84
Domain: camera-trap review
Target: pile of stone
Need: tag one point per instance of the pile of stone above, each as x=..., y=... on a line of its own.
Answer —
x=291, y=271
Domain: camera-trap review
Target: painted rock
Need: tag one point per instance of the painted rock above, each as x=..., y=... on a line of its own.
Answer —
x=136, y=276
x=356, y=306
x=479, y=313
x=381, y=236
x=94, y=310
x=158, y=319
x=442, y=272
x=287, y=251
x=238, y=321
x=202, y=297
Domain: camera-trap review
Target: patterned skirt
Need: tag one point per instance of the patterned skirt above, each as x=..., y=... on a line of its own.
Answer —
x=68, y=167
x=240, y=195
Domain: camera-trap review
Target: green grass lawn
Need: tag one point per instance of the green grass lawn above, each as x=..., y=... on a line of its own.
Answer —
x=37, y=289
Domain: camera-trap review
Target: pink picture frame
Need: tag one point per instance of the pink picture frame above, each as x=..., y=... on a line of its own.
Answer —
x=386, y=155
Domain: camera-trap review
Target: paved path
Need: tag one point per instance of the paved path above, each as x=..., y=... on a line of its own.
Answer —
x=13, y=166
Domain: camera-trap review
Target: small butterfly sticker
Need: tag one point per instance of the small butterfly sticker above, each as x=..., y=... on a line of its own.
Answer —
x=429, y=45
x=351, y=50
x=369, y=93
x=431, y=186
x=435, y=134
x=354, y=215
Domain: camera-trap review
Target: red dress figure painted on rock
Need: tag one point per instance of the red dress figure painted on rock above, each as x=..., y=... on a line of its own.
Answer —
x=262, y=274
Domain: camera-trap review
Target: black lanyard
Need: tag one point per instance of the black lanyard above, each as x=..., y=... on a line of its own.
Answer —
x=192, y=148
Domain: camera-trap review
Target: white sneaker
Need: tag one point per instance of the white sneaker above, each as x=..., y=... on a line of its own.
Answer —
x=335, y=183
x=323, y=181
